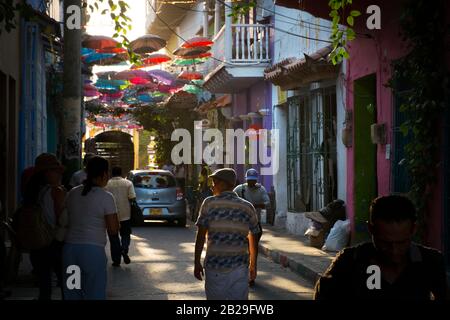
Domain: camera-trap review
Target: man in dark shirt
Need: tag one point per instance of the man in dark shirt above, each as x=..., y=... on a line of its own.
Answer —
x=389, y=267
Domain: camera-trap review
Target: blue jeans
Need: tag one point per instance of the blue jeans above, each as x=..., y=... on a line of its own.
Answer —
x=120, y=244
x=91, y=259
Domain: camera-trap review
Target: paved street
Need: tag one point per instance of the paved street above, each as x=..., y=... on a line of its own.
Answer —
x=162, y=268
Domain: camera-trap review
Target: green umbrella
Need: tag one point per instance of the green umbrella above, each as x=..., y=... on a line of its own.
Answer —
x=188, y=62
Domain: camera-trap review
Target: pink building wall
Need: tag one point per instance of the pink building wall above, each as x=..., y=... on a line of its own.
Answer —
x=375, y=55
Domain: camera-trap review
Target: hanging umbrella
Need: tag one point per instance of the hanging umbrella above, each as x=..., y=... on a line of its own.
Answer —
x=191, y=51
x=190, y=75
x=146, y=98
x=162, y=76
x=188, y=62
x=152, y=60
x=98, y=42
x=131, y=74
x=197, y=42
x=198, y=56
x=112, y=84
x=147, y=44
x=112, y=50
x=96, y=57
x=191, y=89
x=139, y=81
x=86, y=51
x=107, y=75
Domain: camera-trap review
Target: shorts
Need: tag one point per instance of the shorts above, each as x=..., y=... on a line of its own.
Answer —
x=231, y=285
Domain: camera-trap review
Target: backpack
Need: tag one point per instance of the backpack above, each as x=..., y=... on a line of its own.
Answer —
x=32, y=229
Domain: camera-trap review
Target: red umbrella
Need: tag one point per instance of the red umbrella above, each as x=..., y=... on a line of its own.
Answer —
x=98, y=42
x=152, y=60
x=197, y=42
x=139, y=81
x=191, y=51
x=190, y=75
x=147, y=44
x=112, y=50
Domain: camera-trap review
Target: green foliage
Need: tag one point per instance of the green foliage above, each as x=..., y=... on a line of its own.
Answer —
x=340, y=37
x=161, y=122
x=122, y=23
x=422, y=67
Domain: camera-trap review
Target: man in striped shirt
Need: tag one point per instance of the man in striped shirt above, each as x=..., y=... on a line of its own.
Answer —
x=231, y=224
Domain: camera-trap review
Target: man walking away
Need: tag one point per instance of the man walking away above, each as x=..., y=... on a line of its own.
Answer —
x=123, y=191
x=256, y=194
x=231, y=225
x=81, y=175
x=391, y=266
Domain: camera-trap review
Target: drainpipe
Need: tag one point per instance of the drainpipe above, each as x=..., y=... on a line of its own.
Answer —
x=228, y=35
x=205, y=19
x=71, y=139
x=217, y=18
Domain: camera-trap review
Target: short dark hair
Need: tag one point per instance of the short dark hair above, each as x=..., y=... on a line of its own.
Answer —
x=392, y=208
x=87, y=157
x=116, y=171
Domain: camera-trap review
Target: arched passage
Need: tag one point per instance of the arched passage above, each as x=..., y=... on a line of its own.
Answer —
x=117, y=147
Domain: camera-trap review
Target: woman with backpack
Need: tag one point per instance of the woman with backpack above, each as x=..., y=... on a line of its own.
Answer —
x=92, y=212
x=44, y=197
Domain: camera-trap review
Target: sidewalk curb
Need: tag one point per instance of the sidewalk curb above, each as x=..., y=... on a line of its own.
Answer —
x=287, y=262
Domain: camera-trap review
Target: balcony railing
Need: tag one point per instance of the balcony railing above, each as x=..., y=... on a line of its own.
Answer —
x=250, y=43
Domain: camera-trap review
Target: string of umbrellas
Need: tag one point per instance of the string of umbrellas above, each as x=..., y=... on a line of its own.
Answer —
x=110, y=100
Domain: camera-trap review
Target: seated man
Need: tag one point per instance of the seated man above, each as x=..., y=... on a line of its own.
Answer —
x=389, y=267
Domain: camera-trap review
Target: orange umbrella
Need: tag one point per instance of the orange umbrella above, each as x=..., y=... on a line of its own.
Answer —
x=152, y=60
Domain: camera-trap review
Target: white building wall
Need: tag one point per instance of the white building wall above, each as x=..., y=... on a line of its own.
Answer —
x=286, y=46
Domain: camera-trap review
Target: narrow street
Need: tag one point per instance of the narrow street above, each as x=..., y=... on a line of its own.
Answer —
x=162, y=268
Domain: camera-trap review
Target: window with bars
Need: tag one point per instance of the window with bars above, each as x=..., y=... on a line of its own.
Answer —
x=311, y=150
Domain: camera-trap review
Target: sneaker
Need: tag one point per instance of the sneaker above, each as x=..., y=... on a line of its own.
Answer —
x=116, y=264
x=126, y=258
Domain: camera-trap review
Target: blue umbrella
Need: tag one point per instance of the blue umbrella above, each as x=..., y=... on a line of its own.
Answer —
x=94, y=57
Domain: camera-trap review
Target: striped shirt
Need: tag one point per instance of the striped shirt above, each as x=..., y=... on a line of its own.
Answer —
x=228, y=220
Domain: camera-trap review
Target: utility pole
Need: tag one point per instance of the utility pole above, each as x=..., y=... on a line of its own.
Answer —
x=205, y=19
x=71, y=140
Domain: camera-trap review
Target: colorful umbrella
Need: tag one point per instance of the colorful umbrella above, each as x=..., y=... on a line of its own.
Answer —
x=191, y=51
x=145, y=97
x=162, y=76
x=191, y=89
x=139, y=81
x=112, y=50
x=112, y=84
x=108, y=75
x=197, y=56
x=188, y=62
x=197, y=42
x=156, y=58
x=96, y=57
x=147, y=44
x=190, y=75
x=99, y=42
x=131, y=74
x=86, y=51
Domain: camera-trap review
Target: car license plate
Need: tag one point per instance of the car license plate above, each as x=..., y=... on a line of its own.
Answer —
x=155, y=211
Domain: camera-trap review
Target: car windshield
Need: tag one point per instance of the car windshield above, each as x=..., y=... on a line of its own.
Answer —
x=151, y=180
